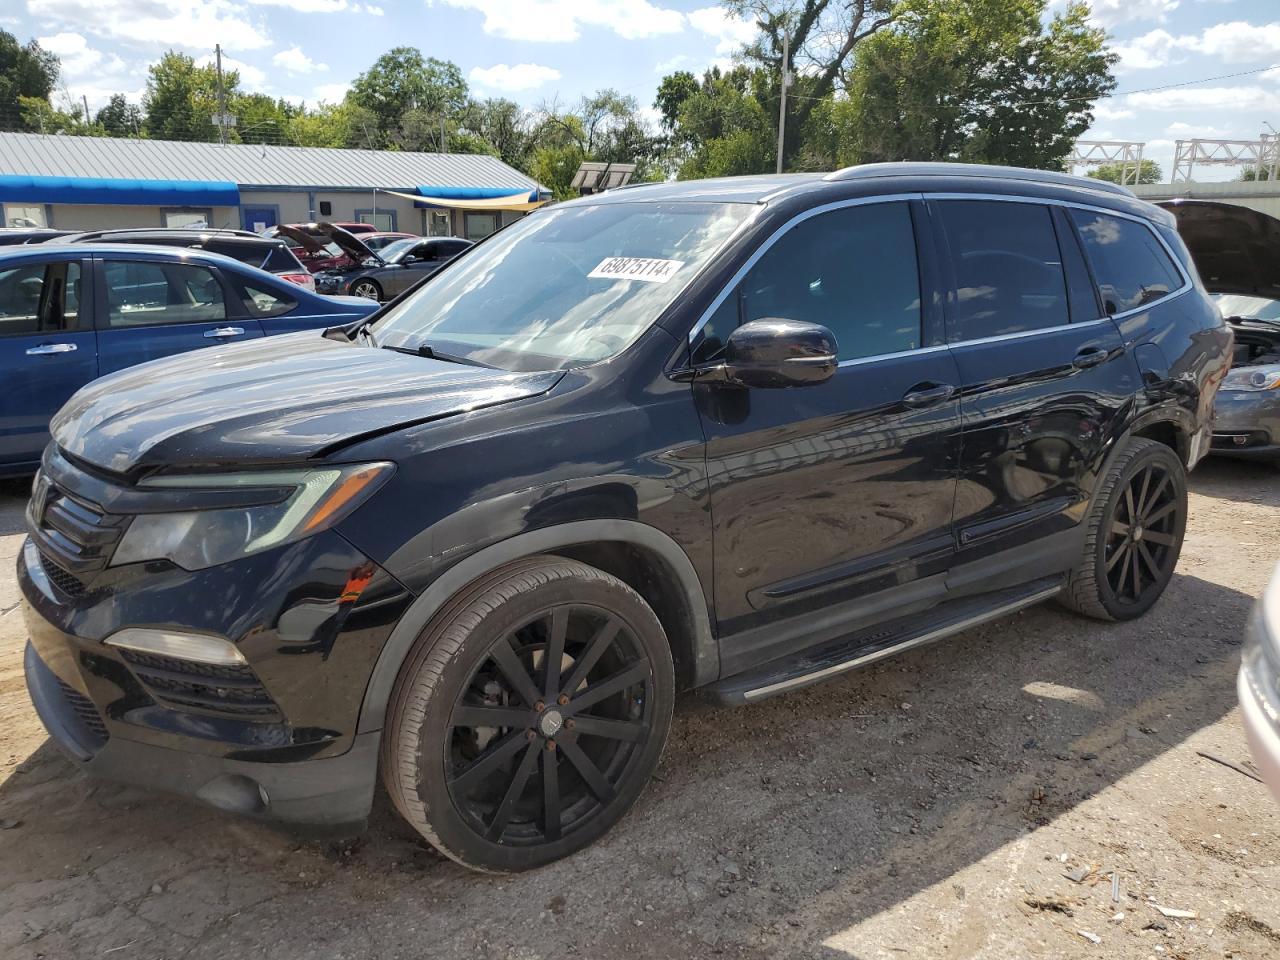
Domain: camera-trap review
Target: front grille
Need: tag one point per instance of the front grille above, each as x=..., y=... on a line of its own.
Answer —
x=225, y=691
x=64, y=580
x=75, y=536
x=87, y=714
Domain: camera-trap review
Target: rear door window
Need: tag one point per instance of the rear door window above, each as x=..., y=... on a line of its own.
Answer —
x=282, y=260
x=262, y=301
x=140, y=293
x=1007, y=267
x=1131, y=266
x=39, y=298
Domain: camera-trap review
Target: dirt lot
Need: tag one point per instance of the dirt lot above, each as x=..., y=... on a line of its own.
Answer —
x=930, y=807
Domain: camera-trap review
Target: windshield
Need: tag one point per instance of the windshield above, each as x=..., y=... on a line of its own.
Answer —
x=392, y=252
x=563, y=287
x=1256, y=308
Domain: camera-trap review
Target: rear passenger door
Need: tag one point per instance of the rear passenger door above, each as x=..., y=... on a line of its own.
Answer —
x=1044, y=380
x=154, y=308
x=46, y=351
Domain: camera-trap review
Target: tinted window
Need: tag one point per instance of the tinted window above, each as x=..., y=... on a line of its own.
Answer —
x=1130, y=265
x=140, y=293
x=39, y=298
x=282, y=260
x=263, y=302
x=254, y=254
x=1008, y=270
x=853, y=271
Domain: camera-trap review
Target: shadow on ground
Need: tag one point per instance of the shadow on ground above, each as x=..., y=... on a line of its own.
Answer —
x=768, y=829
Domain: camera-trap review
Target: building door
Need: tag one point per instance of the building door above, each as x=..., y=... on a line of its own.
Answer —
x=258, y=219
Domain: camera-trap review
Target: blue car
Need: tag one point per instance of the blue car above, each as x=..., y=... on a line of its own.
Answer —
x=72, y=314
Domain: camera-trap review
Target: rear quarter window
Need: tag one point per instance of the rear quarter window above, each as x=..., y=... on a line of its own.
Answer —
x=282, y=260
x=1131, y=266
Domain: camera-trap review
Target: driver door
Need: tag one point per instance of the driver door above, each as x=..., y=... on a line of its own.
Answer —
x=835, y=500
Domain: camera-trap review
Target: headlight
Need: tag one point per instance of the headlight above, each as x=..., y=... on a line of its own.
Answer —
x=297, y=503
x=1266, y=377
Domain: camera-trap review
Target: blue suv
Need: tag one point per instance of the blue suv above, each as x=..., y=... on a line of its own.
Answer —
x=71, y=314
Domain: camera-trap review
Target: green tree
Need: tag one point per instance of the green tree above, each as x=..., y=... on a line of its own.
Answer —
x=182, y=98
x=976, y=81
x=262, y=119
x=605, y=127
x=1252, y=173
x=719, y=126
x=119, y=118
x=503, y=125
x=38, y=114
x=406, y=94
x=1148, y=172
x=26, y=70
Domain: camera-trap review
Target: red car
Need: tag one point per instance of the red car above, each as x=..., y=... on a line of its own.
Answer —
x=316, y=249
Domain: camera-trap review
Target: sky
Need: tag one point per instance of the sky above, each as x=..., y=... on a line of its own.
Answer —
x=536, y=51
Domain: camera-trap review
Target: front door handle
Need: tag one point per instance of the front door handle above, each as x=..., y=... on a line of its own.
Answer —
x=48, y=349
x=1089, y=357
x=221, y=333
x=927, y=395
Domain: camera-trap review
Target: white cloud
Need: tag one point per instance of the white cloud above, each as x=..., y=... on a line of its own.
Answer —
x=1105, y=113
x=374, y=11
x=295, y=61
x=186, y=24
x=1232, y=99
x=731, y=33
x=1153, y=49
x=666, y=66
x=558, y=21
x=1189, y=131
x=308, y=6
x=1240, y=42
x=252, y=78
x=1112, y=13
x=78, y=58
x=512, y=79
x=331, y=92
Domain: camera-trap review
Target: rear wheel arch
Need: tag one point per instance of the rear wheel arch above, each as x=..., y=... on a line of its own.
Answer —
x=643, y=557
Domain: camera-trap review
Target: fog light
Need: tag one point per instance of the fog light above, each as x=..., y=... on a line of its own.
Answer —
x=184, y=646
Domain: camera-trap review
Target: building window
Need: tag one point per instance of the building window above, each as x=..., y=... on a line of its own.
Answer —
x=24, y=215
x=189, y=217
x=480, y=225
x=438, y=223
x=384, y=220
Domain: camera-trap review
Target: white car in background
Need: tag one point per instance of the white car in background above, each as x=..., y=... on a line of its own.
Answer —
x=1259, y=684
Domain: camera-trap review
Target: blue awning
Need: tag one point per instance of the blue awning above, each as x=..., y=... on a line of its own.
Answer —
x=17, y=188
x=472, y=193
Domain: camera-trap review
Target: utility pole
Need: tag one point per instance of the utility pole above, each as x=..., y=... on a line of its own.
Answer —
x=782, y=105
x=85, y=98
x=444, y=141
x=222, y=100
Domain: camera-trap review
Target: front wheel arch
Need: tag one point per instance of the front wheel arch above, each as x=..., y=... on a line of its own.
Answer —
x=694, y=645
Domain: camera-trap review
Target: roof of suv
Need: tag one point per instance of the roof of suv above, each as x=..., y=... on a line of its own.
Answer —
x=906, y=177
x=169, y=233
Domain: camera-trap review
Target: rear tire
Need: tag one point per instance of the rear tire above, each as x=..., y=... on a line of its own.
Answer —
x=529, y=715
x=1133, y=534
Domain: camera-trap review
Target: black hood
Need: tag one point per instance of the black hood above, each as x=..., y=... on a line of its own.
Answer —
x=351, y=245
x=276, y=400
x=1235, y=249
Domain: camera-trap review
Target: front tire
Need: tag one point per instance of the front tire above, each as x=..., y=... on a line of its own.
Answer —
x=367, y=289
x=1133, y=535
x=529, y=716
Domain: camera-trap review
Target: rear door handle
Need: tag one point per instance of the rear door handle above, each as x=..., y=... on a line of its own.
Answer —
x=1089, y=357
x=46, y=349
x=222, y=333
x=927, y=396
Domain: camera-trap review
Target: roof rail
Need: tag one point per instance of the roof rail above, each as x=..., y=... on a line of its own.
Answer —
x=923, y=169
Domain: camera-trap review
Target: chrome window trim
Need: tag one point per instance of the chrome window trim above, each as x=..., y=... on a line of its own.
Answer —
x=751, y=261
x=1187, y=283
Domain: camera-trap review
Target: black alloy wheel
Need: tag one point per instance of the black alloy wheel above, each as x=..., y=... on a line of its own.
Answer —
x=1142, y=541
x=548, y=725
x=1133, y=533
x=530, y=715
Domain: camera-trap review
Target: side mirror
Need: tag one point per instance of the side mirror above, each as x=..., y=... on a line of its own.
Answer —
x=774, y=352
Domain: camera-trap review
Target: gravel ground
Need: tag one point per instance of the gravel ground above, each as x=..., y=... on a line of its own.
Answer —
x=929, y=807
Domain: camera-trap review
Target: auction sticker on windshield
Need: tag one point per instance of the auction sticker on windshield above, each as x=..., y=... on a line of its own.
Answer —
x=636, y=268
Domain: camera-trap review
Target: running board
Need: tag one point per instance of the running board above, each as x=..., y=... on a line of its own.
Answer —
x=869, y=646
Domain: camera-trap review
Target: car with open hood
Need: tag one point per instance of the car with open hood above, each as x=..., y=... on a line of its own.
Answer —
x=1237, y=253
x=738, y=435
x=313, y=249
x=386, y=273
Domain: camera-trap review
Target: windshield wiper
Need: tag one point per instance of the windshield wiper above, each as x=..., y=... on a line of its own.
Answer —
x=425, y=350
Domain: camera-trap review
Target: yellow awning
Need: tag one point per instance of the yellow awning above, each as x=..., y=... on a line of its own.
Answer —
x=516, y=201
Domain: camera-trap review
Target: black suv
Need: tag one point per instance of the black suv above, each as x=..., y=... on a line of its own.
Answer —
x=741, y=435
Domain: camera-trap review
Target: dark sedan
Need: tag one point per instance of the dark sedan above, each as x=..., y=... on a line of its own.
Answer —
x=386, y=274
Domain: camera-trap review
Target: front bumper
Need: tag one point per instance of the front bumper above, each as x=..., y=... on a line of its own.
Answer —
x=1258, y=685
x=334, y=793
x=1246, y=424
x=276, y=738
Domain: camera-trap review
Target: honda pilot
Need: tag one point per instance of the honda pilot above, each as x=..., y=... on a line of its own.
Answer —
x=740, y=435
